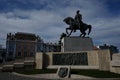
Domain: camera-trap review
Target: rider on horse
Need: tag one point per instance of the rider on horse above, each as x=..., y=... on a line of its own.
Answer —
x=77, y=24
x=78, y=18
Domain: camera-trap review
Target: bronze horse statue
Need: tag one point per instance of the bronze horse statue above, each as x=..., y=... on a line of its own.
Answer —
x=75, y=26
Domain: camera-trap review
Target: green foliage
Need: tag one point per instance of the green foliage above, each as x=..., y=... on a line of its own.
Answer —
x=96, y=73
x=91, y=73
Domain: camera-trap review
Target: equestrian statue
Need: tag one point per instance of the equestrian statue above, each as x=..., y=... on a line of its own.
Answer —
x=77, y=24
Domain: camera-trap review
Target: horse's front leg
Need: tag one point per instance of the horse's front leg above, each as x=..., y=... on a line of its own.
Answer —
x=81, y=35
x=67, y=30
x=70, y=33
x=84, y=35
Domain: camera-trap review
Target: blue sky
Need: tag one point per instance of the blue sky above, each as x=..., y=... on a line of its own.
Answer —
x=45, y=18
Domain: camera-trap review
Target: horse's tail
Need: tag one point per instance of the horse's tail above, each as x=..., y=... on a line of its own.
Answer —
x=89, y=27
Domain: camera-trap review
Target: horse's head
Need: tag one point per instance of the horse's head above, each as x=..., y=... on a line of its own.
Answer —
x=68, y=20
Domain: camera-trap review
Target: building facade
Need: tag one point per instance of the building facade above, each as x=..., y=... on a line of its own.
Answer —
x=10, y=47
x=2, y=55
x=48, y=47
x=20, y=45
x=113, y=49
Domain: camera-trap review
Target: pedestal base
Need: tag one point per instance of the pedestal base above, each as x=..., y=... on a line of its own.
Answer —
x=76, y=44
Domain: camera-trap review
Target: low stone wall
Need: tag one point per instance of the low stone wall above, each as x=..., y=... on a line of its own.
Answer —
x=104, y=60
x=82, y=58
x=19, y=65
x=115, y=63
x=96, y=59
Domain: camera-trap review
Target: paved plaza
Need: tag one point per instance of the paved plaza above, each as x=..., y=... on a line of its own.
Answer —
x=10, y=76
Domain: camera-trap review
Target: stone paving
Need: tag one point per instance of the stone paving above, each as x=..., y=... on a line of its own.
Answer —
x=53, y=76
x=10, y=76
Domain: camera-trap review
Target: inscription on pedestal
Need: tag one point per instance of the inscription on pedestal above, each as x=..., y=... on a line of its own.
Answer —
x=70, y=59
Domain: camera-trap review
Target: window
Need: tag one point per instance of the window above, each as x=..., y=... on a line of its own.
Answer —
x=19, y=47
x=31, y=54
x=32, y=47
x=19, y=53
x=10, y=53
x=25, y=47
x=25, y=54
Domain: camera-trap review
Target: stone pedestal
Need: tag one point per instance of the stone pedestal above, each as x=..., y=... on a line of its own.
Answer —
x=76, y=44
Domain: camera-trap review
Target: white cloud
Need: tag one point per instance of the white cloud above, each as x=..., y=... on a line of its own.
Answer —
x=48, y=22
x=40, y=22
